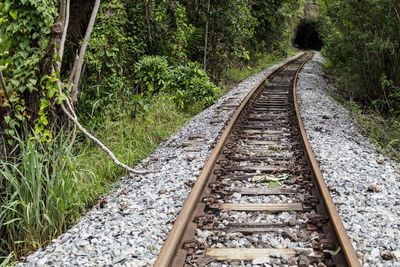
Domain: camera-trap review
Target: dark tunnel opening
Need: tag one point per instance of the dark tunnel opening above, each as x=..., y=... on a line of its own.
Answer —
x=307, y=36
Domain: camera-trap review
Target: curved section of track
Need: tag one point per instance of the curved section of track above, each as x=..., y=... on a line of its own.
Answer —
x=260, y=197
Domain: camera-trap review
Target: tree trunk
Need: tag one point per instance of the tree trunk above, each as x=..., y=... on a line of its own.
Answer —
x=82, y=51
x=206, y=38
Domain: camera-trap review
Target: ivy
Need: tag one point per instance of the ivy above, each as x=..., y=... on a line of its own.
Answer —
x=25, y=30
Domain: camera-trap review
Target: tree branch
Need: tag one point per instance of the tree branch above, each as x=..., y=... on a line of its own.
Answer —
x=65, y=20
x=97, y=141
x=72, y=74
x=206, y=38
x=397, y=13
x=4, y=85
x=77, y=77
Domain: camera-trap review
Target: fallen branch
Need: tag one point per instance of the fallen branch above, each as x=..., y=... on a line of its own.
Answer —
x=97, y=141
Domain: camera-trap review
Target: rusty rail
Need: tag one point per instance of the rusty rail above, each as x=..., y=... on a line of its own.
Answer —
x=184, y=221
x=346, y=246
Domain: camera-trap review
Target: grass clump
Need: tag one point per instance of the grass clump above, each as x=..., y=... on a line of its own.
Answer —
x=132, y=131
x=38, y=198
x=383, y=132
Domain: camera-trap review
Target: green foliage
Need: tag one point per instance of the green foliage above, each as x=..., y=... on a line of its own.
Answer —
x=24, y=32
x=231, y=27
x=153, y=74
x=130, y=137
x=159, y=27
x=362, y=41
x=38, y=199
x=260, y=62
x=186, y=84
x=191, y=85
x=179, y=43
x=276, y=22
x=46, y=187
x=108, y=60
x=391, y=96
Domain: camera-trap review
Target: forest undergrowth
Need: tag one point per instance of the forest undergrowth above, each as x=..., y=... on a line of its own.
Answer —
x=362, y=48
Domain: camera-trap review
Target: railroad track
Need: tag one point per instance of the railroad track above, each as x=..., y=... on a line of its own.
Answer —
x=260, y=197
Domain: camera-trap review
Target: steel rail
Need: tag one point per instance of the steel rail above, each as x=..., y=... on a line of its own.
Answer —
x=185, y=217
x=346, y=246
x=175, y=236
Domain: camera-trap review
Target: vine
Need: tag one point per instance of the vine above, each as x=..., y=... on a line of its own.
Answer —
x=25, y=31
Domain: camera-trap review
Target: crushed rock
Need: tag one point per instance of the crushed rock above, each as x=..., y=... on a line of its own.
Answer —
x=364, y=184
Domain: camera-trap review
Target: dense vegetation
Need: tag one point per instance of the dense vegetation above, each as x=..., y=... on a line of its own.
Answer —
x=362, y=44
x=148, y=67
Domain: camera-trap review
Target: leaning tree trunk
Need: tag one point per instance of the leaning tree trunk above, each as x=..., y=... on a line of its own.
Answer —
x=206, y=38
x=81, y=58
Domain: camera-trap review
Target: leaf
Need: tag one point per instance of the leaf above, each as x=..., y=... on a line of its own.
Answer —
x=7, y=119
x=274, y=184
x=14, y=14
x=333, y=252
x=270, y=178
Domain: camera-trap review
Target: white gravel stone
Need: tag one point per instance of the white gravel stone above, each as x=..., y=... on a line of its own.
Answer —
x=350, y=164
x=131, y=227
x=260, y=260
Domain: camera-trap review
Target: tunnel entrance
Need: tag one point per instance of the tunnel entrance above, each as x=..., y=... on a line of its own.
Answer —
x=307, y=36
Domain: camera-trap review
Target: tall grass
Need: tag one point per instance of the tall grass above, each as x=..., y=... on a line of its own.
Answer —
x=46, y=187
x=38, y=196
x=383, y=132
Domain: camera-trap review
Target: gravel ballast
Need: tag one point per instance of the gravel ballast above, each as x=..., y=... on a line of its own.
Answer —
x=129, y=226
x=364, y=184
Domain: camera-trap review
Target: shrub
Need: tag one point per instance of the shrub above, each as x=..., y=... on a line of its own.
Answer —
x=187, y=84
x=153, y=74
x=191, y=85
x=364, y=49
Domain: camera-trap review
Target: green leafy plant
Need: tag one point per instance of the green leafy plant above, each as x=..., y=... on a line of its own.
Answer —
x=153, y=74
x=25, y=30
x=190, y=84
x=187, y=84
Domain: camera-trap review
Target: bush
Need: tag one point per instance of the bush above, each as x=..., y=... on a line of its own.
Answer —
x=153, y=74
x=188, y=85
x=191, y=85
x=364, y=49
